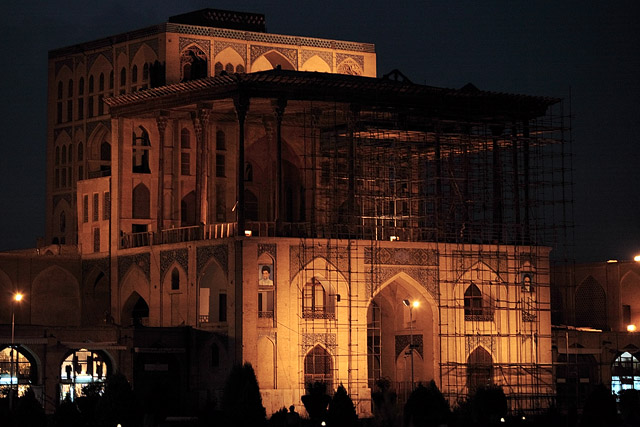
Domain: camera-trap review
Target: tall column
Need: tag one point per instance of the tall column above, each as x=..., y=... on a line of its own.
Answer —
x=279, y=106
x=242, y=106
x=161, y=122
x=200, y=119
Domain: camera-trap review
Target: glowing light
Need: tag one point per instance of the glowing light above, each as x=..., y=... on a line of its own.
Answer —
x=612, y=261
x=323, y=424
x=502, y=420
x=18, y=297
x=416, y=304
x=631, y=328
x=394, y=238
x=636, y=258
x=248, y=233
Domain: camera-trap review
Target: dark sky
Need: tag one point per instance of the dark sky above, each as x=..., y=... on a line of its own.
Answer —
x=586, y=52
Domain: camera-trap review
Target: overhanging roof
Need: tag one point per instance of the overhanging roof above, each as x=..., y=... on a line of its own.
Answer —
x=314, y=86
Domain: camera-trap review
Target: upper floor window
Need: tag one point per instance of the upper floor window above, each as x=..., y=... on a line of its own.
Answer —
x=141, y=146
x=175, y=279
x=475, y=307
x=314, y=301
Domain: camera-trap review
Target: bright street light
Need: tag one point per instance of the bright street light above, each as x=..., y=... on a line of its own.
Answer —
x=17, y=297
x=411, y=306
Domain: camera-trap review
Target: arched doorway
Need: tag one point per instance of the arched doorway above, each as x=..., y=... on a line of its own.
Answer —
x=82, y=368
x=397, y=333
x=479, y=369
x=318, y=367
x=17, y=368
x=625, y=373
x=135, y=311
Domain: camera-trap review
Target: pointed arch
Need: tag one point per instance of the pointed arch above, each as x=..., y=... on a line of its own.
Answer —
x=318, y=366
x=55, y=298
x=135, y=282
x=591, y=304
x=193, y=63
x=99, y=152
x=141, y=202
x=265, y=366
x=188, y=210
x=479, y=369
x=174, y=296
x=96, y=296
x=212, y=294
x=270, y=60
x=315, y=63
x=141, y=144
x=135, y=311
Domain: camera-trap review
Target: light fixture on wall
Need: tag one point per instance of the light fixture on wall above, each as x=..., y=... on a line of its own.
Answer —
x=631, y=328
x=248, y=233
x=411, y=305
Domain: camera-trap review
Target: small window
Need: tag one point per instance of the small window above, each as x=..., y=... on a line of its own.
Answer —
x=474, y=306
x=96, y=206
x=134, y=74
x=217, y=68
x=123, y=76
x=85, y=208
x=70, y=89
x=175, y=279
x=185, y=164
x=59, y=90
x=220, y=165
x=222, y=307
x=106, y=206
x=239, y=68
x=314, y=301
x=96, y=239
x=221, y=143
x=101, y=82
x=145, y=72
x=229, y=68
x=81, y=86
x=91, y=84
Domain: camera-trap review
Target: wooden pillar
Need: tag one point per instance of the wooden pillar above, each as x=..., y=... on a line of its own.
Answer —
x=161, y=122
x=200, y=119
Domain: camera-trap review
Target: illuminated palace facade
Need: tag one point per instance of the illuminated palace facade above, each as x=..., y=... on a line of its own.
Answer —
x=217, y=194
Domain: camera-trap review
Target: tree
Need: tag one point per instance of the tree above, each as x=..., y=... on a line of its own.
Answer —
x=241, y=399
x=385, y=403
x=427, y=407
x=118, y=403
x=630, y=407
x=342, y=412
x=599, y=408
x=316, y=401
x=29, y=411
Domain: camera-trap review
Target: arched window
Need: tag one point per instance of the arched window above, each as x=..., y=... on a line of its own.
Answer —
x=141, y=201
x=91, y=84
x=80, y=152
x=141, y=145
x=473, y=306
x=591, y=304
x=105, y=157
x=193, y=64
x=70, y=89
x=239, y=68
x=101, y=82
x=229, y=68
x=318, y=367
x=60, y=90
x=63, y=222
x=123, y=76
x=479, y=369
x=134, y=74
x=111, y=79
x=625, y=373
x=63, y=156
x=217, y=68
x=314, y=301
x=57, y=155
x=16, y=367
x=81, y=368
x=175, y=279
x=81, y=86
x=145, y=72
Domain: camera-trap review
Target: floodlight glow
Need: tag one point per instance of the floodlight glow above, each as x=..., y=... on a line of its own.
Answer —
x=18, y=297
x=416, y=304
x=247, y=233
x=631, y=328
x=636, y=258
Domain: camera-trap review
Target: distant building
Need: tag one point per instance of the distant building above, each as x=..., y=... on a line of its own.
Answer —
x=596, y=313
x=218, y=194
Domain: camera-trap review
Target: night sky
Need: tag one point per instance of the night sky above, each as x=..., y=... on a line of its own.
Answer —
x=585, y=52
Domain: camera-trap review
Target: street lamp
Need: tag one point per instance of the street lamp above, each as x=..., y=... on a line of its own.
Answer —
x=411, y=305
x=17, y=297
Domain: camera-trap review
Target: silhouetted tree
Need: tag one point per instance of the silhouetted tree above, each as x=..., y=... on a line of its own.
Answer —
x=385, y=403
x=630, y=407
x=484, y=408
x=599, y=408
x=426, y=407
x=118, y=404
x=241, y=400
x=67, y=414
x=279, y=418
x=342, y=412
x=29, y=411
x=316, y=401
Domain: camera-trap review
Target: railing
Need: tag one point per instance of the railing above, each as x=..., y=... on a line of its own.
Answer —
x=271, y=229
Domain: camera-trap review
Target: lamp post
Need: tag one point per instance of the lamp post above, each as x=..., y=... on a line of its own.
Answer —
x=17, y=297
x=411, y=305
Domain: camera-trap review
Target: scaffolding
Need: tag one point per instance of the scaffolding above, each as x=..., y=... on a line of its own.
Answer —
x=488, y=191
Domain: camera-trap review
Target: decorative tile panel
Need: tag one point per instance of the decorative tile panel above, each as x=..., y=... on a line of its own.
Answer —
x=181, y=256
x=290, y=54
x=219, y=252
x=142, y=260
x=240, y=48
x=402, y=341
